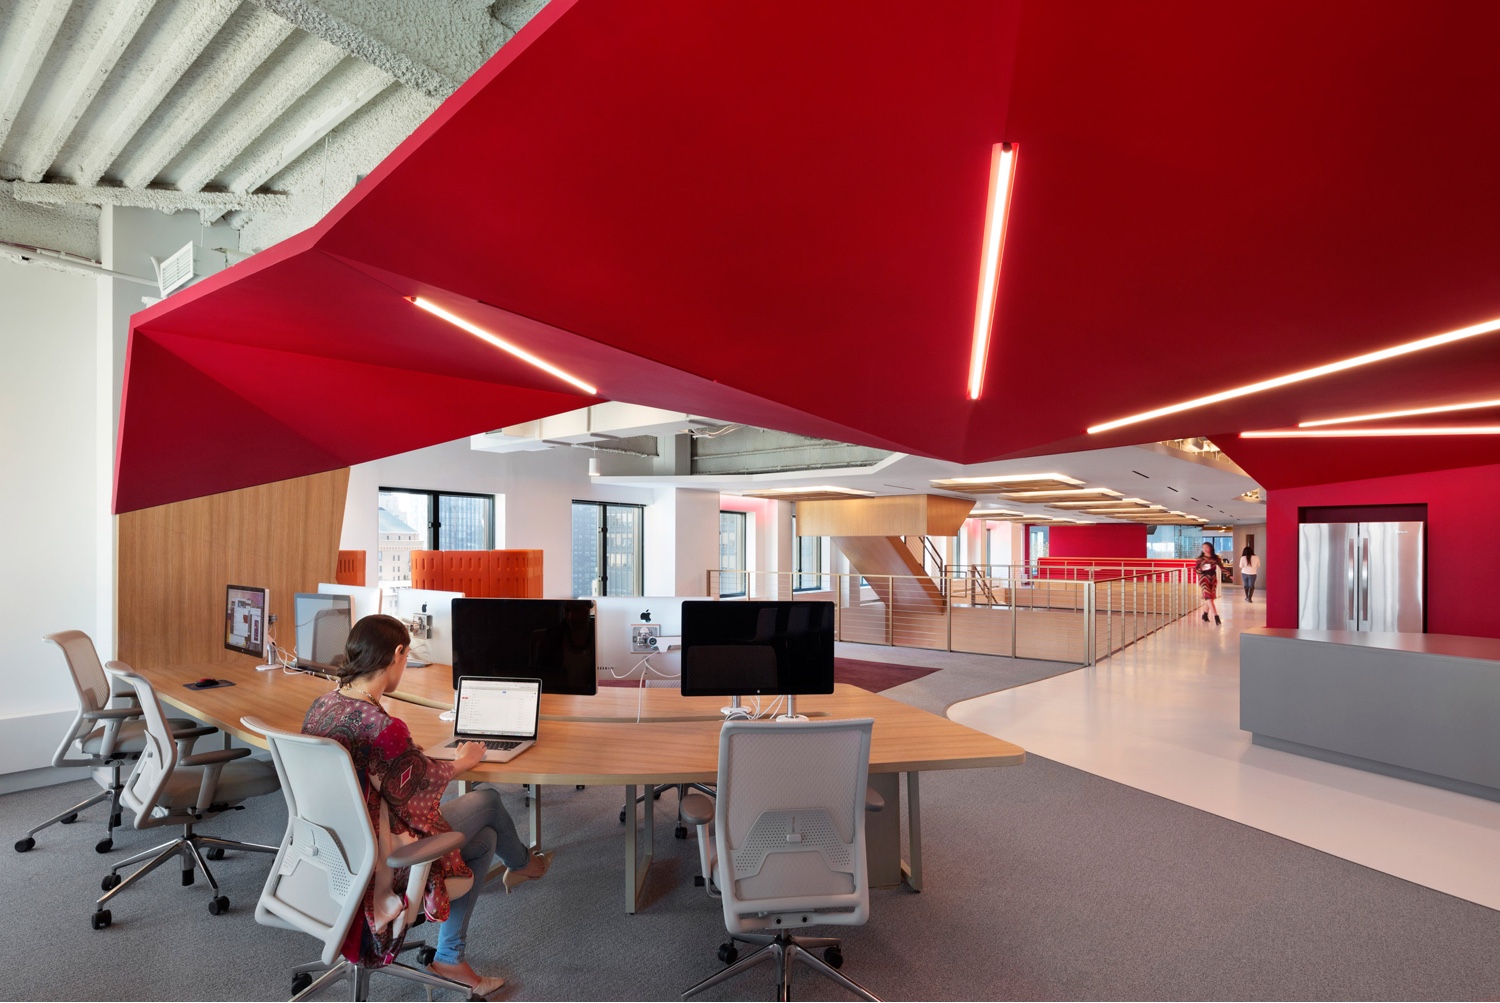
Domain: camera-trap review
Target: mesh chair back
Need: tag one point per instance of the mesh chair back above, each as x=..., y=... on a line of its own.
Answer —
x=327, y=856
x=330, y=633
x=89, y=681
x=790, y=826
x=158, y=759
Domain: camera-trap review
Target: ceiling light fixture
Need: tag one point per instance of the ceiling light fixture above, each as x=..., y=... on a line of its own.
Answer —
x=1352, y=433
x=1002, y=181
x=1398, y=414
x=821, y=489
x=502, y=344
x=1010, y=478
x=1472, y=331
x=1061, y=493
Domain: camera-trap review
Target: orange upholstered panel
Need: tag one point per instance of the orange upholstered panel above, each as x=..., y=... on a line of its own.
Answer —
x=351, y=570
x=467, y=571
x=516, y=574
x=427, y=570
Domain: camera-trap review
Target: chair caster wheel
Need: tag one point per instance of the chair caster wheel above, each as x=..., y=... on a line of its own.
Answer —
x=728, y=953
x=300, y=982
x=69, y=819
x=218, y=906
x=187, y=877
x=110, y=881
x=834, y=957
x=22, y=845
x=656, y=794
x=578, y=787
x=104, y=846
x=426, y=954
x=215, y=853
x=100, y=919
x=622, y=816
x=697, y=881
x=681, y=832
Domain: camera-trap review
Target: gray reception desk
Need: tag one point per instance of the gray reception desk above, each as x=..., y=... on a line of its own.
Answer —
x=1422, y=707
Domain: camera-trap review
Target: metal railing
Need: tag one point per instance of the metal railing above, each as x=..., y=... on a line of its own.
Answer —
x=1010, y=610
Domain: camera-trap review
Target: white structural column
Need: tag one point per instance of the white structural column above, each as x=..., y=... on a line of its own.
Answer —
x=28, y=35
x=95, y=46
x=153, y=69
x=247, y=41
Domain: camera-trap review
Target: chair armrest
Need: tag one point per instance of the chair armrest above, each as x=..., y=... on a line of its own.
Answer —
x=873, y=800
x=112, y=714
x=210, y=758
x=697, y=809
x=425, y=850
x=196, y=731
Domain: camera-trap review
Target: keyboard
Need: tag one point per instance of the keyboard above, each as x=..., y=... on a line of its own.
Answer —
x=500, y=746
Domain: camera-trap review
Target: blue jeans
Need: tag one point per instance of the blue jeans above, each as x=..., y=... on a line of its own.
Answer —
x=487, y=826
x=1249, y=583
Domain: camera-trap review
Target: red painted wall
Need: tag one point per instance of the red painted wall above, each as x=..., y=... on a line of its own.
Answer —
x=1463, y=542
x=1113, y=540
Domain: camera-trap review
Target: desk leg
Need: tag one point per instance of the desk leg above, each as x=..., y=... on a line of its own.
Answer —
x=911, y=871
x=535, y=814
x=636, y=870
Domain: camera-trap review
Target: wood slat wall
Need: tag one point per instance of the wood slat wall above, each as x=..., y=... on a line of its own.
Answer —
x=175, y=561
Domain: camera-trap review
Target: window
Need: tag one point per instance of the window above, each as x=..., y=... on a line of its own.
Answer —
x=1037, y=539
x=429, y=520
x=607, y=549
x=807, y=561
x=732, y=553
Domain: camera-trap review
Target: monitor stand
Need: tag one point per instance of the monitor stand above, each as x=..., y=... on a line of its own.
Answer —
x=735, y=711
x=791, y=710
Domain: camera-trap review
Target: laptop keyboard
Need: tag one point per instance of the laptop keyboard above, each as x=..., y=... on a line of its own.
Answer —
x=500, y=746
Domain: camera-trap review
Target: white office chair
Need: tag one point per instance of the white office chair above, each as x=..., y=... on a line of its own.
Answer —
x=169, y=788
x=327, y=860
x=784, y=847
x=101, y=736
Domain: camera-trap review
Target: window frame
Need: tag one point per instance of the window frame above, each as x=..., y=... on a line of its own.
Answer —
x=744, y=576
x=602, y=551
x=799, y=572
x=434, y=523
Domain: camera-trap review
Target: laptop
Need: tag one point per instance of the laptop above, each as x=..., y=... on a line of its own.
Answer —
x=498, y=712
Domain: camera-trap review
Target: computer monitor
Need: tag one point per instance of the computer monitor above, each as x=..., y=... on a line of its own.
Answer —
x=547, y=639
x=245, y=610
x=366, y=599
x=323, y=623
x=436, y=610
x=620, y=644
x=733, y=648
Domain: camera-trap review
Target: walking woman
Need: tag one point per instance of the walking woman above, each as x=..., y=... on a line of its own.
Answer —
x=402, y=784
x=1208, y=579
x=1249, y=569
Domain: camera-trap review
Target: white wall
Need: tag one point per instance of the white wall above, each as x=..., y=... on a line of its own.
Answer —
x=681, y=526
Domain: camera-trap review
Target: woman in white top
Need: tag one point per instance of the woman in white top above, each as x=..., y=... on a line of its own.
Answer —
x=1249, y=568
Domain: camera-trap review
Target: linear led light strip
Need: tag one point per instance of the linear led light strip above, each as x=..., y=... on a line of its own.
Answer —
x=503, y=345
x=1471, y=405
x=1473, y=331
x=1009, y=479
x=1002, y=181
x=1351, y=433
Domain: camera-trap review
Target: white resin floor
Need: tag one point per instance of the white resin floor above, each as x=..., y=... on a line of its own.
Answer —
x=1163, y=716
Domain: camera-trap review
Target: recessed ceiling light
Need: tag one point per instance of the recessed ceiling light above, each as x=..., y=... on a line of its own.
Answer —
x=1351, y=433
x=1002, y=178
x=502, y=344
x=1473, y=331
x=1471, y=405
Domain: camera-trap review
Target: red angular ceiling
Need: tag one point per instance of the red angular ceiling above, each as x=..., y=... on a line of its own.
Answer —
x=771, y=213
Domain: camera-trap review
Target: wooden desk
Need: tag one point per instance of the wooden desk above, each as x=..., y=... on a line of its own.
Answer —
x=596, y=741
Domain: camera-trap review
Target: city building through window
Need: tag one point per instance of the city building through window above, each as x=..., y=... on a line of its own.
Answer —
x=608, y=548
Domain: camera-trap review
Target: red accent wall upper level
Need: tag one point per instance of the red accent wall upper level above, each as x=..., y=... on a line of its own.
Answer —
x=1463, y=542
x=1104, y=540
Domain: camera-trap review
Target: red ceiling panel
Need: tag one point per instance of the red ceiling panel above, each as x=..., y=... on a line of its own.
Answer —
x=771, y=213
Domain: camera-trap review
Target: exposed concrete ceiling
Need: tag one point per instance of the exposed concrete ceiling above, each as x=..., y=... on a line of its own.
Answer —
x=267, y=110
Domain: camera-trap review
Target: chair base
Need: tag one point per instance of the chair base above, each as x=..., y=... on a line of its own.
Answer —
x=186, y=847
x=321, y=976
x=110, y=793
x=783, y=949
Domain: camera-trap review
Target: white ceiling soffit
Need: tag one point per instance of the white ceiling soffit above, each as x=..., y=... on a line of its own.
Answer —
x=266, y=109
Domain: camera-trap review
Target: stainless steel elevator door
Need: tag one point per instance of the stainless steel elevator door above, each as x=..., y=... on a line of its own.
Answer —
x=1326, y=585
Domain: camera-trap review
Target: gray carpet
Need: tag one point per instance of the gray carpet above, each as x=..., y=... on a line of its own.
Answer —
x=1043, y=883
x=961, y=675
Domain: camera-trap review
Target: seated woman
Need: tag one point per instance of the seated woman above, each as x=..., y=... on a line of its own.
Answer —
x=406, y=788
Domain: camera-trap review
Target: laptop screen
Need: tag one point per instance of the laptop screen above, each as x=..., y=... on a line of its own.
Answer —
x=505, y=708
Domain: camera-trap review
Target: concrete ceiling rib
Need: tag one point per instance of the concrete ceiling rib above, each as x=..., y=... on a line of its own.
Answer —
x=27, y=38
x=245, y=42
x=346, y=90
x=296, y=66
x=91, y=43
x=173, y=36
x=314, y=20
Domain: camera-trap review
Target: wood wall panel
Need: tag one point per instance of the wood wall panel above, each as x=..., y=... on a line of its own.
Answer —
x=175, y=560
x=887, y=515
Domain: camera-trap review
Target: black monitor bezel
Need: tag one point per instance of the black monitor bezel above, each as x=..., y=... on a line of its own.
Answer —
x=690, y=688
